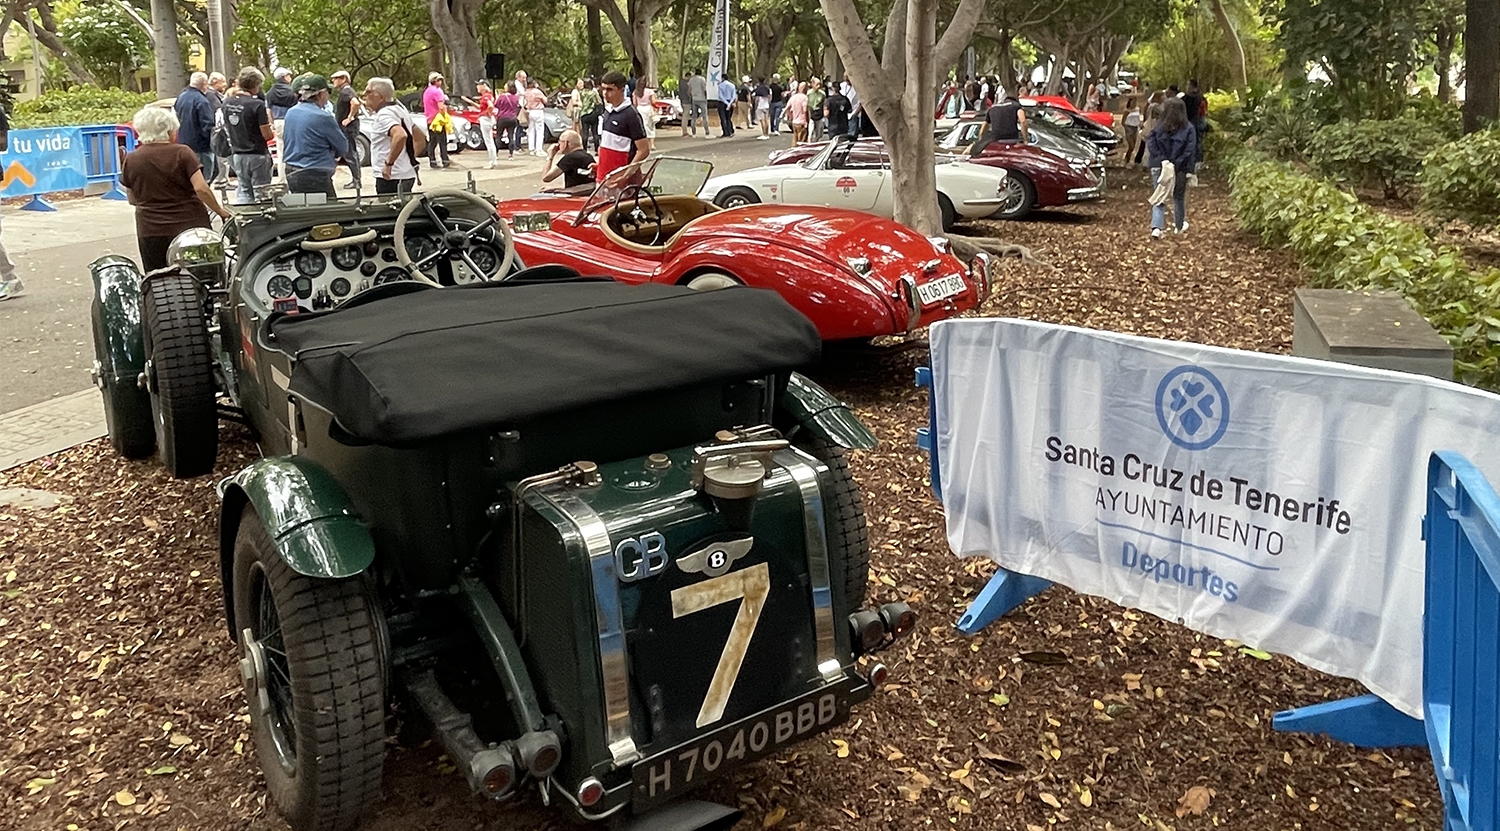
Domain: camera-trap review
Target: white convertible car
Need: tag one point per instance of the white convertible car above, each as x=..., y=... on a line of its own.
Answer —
x=856, y=175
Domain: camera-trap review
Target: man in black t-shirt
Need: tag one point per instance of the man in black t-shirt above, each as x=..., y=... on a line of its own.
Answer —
x=568, y=159
x=836, y=108
x=778, y=102
x=248, y=123
x=1005, y=122
x=346, y=112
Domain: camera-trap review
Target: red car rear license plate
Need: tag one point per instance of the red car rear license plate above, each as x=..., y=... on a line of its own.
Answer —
x=941, y=288
x=675, y=771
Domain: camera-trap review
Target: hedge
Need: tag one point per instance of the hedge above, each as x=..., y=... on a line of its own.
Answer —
x=1347, y=245
x=80, y=106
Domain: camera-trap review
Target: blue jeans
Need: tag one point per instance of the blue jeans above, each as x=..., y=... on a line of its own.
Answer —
x=252, y=171
x=776, y=108
x=698, y=113
x=210, y=164
x=1179, y=201
x=856, y=124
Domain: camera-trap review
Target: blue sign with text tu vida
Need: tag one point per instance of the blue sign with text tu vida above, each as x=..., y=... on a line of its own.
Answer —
x=43, y=160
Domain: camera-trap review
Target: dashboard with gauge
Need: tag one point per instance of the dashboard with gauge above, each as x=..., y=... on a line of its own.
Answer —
x=302, y=279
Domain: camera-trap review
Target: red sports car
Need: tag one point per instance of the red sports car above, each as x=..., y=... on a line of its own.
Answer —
x=855, y=276
x=1106, y=119
x=1038, y=178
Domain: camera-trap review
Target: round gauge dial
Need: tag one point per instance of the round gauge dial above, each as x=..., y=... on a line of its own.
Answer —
x=281, y=286
x=367, y=268
x=372, y=248
x=388, y=254
x=420, y=247
x=339, y=287
x=303, y=287
x=391, y=275
x=486, y=258
x=311, y=264
x=347, y=258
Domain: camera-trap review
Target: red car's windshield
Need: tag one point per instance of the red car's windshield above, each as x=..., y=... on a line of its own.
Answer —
x=658, y=175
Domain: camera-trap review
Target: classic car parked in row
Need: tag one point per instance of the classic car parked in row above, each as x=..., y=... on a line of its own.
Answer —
x=855, y=173
x=855, y=276
x=1034, y=178
x=602, y=539
x=1057, y=169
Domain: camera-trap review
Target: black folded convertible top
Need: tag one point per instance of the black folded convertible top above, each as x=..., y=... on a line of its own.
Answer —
x=436, y=362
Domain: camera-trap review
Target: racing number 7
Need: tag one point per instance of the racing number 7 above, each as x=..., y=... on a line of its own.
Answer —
x=752, y=584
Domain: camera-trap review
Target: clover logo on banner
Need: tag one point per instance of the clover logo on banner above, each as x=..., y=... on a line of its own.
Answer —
x=1192, y=407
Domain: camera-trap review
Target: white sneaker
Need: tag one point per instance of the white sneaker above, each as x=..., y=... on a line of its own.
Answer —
x=1183, y=229
x=11, y=288
x=1156, y=233
x=762, y=138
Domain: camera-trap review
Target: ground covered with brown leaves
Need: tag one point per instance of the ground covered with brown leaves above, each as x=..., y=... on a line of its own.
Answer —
x=120, y=703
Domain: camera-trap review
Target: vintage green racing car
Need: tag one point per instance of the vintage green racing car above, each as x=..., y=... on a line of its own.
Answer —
x=602, y=539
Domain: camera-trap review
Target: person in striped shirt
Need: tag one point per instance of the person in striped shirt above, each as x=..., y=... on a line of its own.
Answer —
x=622, y=135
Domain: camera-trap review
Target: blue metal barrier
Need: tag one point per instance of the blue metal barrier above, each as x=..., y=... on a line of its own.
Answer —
x=103, y=157
x=1461, y=641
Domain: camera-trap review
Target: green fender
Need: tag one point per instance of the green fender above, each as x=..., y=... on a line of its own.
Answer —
x=827, y=417
x=307, y=514
x=118, y=342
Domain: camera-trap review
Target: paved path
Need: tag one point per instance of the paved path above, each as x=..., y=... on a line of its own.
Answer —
x=32, y=432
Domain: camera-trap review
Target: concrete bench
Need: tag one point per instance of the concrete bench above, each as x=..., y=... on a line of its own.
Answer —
x=1368, y=328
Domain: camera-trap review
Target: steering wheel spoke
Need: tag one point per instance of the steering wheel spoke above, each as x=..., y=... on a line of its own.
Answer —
x=453, y=242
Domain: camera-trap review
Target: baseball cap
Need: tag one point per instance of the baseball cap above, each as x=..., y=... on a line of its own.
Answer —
x=309, y=85
x=434, y=76
x=281, y=72
x=342, y=73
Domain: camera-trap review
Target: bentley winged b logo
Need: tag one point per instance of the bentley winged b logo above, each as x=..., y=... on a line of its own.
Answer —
x=717, y=557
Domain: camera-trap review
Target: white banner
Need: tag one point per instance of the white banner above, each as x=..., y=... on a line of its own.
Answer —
x=718, y=48
x=1277, y=501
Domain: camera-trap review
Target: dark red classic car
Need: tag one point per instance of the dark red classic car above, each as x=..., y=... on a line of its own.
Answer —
x=1038, y=178
x=855, y=276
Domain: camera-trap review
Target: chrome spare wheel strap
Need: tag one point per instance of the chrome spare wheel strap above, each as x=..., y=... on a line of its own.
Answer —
x=804, y=470
x=612, y=668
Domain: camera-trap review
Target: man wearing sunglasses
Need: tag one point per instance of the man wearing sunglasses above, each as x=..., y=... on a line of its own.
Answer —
x=622, y=138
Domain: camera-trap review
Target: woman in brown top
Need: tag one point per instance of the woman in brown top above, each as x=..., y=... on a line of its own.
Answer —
x=166, y=186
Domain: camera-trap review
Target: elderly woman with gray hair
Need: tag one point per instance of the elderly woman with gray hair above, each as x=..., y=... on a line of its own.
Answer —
x=166, y=186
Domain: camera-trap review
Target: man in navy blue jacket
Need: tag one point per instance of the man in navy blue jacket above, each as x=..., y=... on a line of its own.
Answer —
x=195, y=116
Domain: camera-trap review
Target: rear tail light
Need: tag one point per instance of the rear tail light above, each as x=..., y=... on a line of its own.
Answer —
x=898, y=618
x=867, y=631
x=499, y=780
x=980, y=274
x=878, y=674
x=590, y=791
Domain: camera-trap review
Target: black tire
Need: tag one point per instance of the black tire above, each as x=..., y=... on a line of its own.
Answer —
x=946, y=212
x=362, y=147
x=736, y=197
x=183, y=391
x=1021, y=196
x=848, y=536
x=127, y=407
x=320, y=737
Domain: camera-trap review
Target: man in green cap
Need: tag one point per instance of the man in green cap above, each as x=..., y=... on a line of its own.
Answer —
x=314, y=142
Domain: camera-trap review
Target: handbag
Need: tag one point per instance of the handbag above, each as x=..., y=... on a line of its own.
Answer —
x=522, y=117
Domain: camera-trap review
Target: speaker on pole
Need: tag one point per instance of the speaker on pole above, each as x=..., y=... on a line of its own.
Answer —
x=494, y=66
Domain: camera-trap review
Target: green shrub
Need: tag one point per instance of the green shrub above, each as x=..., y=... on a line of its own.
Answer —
x=1461, y=180
x=1348, y=245
x=79, y=106
x=1380, y=154
x=1446, y=117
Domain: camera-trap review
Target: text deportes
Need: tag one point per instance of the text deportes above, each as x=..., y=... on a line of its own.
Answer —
x=1201, y=578
x=1324, y=513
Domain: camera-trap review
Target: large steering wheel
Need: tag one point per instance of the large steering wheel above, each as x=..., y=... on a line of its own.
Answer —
x=637, y=217
x=455, y=241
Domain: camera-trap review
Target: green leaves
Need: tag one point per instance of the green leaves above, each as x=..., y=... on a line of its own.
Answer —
x=79, y=105
x=1348, y=245
x=1383, y=154
x=1462, y=180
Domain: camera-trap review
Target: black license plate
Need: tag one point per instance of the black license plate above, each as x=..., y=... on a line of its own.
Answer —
x=690, y=764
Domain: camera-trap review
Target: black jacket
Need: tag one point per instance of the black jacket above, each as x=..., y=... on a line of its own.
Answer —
x=280, y=98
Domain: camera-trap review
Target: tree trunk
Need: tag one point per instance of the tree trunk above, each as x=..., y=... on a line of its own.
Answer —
x=1058, y=69
x=457, y=23
x=1008, y=75
x=170, y=74
x=770, y=34
x=1236, y=48
x=1481, y=64
x=898, y=91
x=596, y=43
x=682, y=72
x=1443, y=63
x=913, y=170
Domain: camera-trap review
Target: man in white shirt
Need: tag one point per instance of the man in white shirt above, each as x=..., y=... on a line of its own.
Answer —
x=856, y=112
x=391, y=127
